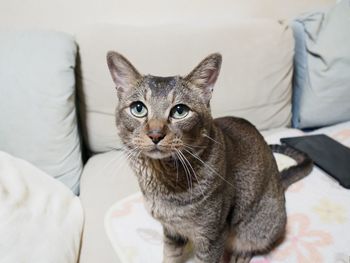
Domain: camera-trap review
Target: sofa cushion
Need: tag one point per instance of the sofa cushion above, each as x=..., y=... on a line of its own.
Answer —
x=106, y=178
x=37, y=102
x=254, y=83
x=322, y=80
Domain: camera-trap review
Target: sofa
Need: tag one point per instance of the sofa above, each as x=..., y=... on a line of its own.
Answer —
x=256, y=83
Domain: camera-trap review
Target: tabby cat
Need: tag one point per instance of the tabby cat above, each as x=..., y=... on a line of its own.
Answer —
x=213, y=182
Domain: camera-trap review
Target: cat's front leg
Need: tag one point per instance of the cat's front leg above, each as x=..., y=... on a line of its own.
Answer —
x=174, y=246
x=209, y=250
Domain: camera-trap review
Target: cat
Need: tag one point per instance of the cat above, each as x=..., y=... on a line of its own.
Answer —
x=213, y=182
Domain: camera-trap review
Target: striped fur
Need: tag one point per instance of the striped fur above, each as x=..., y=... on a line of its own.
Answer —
x=296, y=172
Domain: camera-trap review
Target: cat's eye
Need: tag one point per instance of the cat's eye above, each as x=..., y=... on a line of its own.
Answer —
x=179, y=111
x=138, y=109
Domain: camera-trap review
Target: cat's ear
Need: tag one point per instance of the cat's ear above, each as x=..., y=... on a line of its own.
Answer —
x=124, y=74
x=205, y=74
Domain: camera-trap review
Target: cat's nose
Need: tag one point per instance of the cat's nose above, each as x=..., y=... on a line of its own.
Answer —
x=156, y=136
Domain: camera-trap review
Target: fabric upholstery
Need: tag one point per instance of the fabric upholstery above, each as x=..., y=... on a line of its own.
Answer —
x=106, y=178
x=37, y=102
x=255, y=79
x=322, y=61
x=41, y=220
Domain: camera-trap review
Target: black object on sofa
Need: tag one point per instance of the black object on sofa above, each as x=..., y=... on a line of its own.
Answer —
x=328, y=154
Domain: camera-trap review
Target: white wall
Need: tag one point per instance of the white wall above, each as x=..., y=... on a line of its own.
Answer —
x=70, y=15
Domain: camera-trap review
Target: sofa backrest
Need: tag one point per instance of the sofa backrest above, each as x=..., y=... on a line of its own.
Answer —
x=255, y=79
x=252, y=59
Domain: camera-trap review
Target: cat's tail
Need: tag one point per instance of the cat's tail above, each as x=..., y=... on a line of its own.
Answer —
x=296, y=172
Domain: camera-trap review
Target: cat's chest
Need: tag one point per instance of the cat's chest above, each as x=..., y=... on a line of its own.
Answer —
x=176, y=218
x=183, y=220
x=165, y=211
x=174, y=209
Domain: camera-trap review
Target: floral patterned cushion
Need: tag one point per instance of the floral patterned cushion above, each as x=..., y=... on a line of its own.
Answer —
x=318, y=228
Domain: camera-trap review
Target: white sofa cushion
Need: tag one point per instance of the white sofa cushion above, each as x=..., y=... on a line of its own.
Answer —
x=254, y=83
x=37, y=102
x=106, y=178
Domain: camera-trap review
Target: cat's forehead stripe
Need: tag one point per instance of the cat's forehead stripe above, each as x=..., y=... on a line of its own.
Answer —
x=171, y=96
x=148, y=94
x=161, y=86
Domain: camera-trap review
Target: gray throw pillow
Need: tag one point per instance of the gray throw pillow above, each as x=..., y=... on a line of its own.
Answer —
x=38, y=119
x=322, y=68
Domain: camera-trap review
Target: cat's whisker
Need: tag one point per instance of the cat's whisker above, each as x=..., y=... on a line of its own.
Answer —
x=188, y=146
x=208, y=166
x=178, y=141
x=191, y=140
x=192, y=149
x=129, y=154
x=117, y=149
x=179, y=158
x=187, y=173
x=195, y=146
x=120, y=148
x=114, y=159
x=194, y=173
x=210, y=138
x=134, y=154
x=125, y=153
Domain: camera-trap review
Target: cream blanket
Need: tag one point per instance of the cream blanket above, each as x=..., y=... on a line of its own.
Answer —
x=41, y=220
